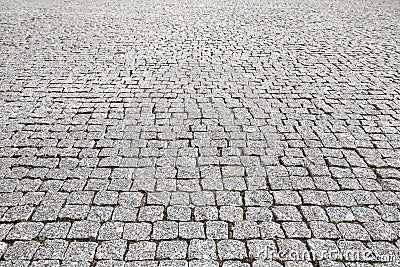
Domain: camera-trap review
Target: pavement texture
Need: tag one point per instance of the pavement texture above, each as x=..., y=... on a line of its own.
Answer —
x=200, y=133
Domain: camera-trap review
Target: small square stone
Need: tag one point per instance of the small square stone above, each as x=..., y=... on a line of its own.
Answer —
x=137, y=231
x=217, y=230
x=100, y=213
x=52, y=249
x=296, y=230
x=130, y=199
x=202, y=198
x=340, y=214
x=151, y=213
x=80, y=251
x=202, y=249
x=179, y=213
x=55, y=230
x=21, y=250
x=25, y=231
x=111, y=250
x=172, y=250
x=261, y=249
x=353, y=231
x=231, y=249
x=286, y=213
x=245, y=230
x=230, y=213
x=258, y=214
x=271, y=230
x=165, y=230
x=314, y=213
x=323, y=229
x=84, y=229
x=258, y=198
x=191, y=230
x=228, y=198
x=206, y=213
x=286, y=197
x=125, y=214
x=142, y=250
x=106, y=198
x=110, y=231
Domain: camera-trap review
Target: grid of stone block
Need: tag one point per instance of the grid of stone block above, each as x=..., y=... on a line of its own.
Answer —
x=242, y=133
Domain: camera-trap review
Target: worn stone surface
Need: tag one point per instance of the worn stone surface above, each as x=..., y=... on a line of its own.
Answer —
x=243, y=133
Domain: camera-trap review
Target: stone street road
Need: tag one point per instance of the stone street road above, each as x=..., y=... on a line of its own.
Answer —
x=208, y=133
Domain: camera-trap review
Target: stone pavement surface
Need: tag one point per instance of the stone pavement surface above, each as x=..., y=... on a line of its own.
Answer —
x=200, y=133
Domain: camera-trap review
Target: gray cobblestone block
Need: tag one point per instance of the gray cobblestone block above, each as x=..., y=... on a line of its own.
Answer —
x=314, y=213
x=315, y=197
x=110, y=263
x=55, y=230
x=179, y=213
x=151, y=213
x=74, y=212
x=234, y=183
x=165, y=230
x=245, y=230
x=110, y=231
x=130, y=199
x=124, y=214
x=363, y=214
x=340, y=214
x=205, y=263
x=380, y=231
x=271, y=230
x=180, y=198
x=210, y=183
x=258, y=214
x=230, y=213
x=18, y=213
x=258, y=198
x=202, y=198
x=100, y=213
x=158, y=198
x=226, y=198
x=322, y=229
x=296, y=230
x=172, y=250
x=286, y=213
x=80, y=251
x=173, y=263
x=286, y=197
x=51, y=263
x=111, y=250
x=4, y=230
x=52, y=249
x=137, y=231
x=80, y=197
x=217, y=230
x=231, y=249
x=261, y=249
x=143, y=250
x=206, y=213
x=202, y=249
x=290, y=245
x=191, y=230
x=389, y=213
x=106, y=198
x=353, y=231
x=267, y=263
x=21, y=250
x=84, y=229
x=25, y=231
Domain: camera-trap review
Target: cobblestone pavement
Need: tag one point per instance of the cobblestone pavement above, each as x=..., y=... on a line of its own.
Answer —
x=200, y=133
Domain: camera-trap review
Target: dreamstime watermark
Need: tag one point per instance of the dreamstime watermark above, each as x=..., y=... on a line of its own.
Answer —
x=360, y=255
